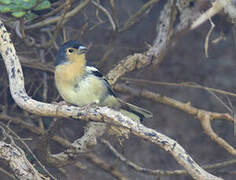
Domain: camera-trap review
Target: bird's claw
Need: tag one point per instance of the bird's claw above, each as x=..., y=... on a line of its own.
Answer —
x=61, y=103
x=91, y=105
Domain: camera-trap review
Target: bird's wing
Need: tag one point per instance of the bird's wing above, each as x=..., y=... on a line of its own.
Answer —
x=138, y=111
x=97, y=73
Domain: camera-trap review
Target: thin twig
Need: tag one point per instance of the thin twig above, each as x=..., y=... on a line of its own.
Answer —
x=57, y=18
x=157, y=171
x=217, y=6
x=106, y=12
x=100, y=114
x=105, y=166
x=65, y=143
x=58, y=25
x=181, y=84
x=7, y=173
x=141, y=12
x=29, y=150
x=205, y=117
x=207, y=37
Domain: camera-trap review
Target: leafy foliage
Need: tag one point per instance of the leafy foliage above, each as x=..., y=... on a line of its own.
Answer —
x=20, y=8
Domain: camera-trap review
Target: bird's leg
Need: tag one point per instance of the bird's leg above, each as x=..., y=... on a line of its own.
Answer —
x=61, y=103
x=91, y=105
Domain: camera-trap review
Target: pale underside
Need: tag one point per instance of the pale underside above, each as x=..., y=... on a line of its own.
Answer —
x=84, y=90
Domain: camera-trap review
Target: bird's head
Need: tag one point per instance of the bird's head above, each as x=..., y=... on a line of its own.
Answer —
x=71, y=52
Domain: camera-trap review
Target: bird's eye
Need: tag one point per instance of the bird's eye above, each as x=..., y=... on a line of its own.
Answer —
x=70, y=50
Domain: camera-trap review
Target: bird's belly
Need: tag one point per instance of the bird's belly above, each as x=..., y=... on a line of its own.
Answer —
x=89, y=90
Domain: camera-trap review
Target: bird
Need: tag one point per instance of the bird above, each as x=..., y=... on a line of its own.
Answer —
x=81, y=84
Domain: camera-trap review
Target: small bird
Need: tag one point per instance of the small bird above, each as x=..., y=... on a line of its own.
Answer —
x=82, y=85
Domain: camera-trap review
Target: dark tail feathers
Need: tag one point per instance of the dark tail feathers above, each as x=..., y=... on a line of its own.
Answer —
x=140, y=112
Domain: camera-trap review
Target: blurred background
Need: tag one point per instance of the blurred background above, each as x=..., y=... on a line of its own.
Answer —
x=184, y=61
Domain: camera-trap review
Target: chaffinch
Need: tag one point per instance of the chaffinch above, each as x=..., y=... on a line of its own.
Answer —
x=81, y=84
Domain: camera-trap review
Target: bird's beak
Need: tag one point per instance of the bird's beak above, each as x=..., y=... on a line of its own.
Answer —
x=82, y=50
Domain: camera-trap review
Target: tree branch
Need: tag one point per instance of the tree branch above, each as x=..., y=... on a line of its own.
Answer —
x=51, y=20
x=204, y=116
x=100, y=114
x=18, y=162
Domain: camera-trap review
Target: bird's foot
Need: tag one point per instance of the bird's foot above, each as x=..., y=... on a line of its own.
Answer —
x=61, y=103
x=91, y=105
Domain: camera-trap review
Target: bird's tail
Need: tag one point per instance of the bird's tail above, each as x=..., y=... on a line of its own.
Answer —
x=138, y=111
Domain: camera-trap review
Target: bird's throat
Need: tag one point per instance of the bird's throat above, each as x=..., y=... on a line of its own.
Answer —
x=71, y=71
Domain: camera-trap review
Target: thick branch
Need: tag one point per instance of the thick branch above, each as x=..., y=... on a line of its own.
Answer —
x=18, y=162
x=130, y=63
x=204, y=116
x=102, y=114
x=81, y=145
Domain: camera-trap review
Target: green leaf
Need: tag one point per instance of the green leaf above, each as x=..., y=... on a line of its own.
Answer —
x=19, y=8
x=5, y=2
x=43, y=5
x=18, y=14
x=24, y=4
x=4, y=9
